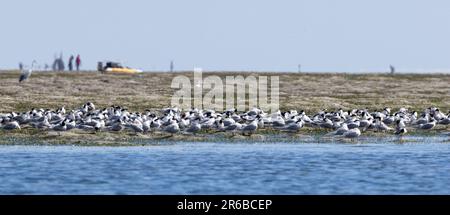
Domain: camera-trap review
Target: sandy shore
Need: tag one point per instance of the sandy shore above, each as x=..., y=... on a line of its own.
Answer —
x=310, y=92
x=305, y=135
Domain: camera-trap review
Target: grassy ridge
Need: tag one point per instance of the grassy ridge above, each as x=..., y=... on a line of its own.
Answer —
x=307, y=91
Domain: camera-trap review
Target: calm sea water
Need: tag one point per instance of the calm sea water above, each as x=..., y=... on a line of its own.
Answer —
x=377, y=166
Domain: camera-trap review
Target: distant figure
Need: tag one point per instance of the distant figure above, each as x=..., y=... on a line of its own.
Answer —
x=78, y=62
x=299, y=68
x=171, y=66
x=392, y=68
x=100, y=67
x=58, y=63
x=46, y=67
x=26, y=73
x=71, y=63
x=21, y=66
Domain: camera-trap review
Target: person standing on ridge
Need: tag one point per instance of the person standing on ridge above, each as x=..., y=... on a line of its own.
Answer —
x=78, y=62
x=392, y=68
x=71, y=63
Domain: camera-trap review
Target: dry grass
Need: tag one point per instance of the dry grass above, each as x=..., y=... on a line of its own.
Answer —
x=310, y=92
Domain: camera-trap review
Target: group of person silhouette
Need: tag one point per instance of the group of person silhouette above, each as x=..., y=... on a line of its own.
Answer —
x=77, y=62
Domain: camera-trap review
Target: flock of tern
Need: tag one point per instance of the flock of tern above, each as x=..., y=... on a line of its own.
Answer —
x=348, y=124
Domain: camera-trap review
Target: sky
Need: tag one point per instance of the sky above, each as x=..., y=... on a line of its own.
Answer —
x=232, y=35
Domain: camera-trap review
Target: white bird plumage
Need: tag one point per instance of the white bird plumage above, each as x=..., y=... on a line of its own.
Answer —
x=25, y=74
x=349, y=124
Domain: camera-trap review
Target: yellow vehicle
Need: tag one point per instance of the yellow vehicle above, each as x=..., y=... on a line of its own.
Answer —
x=116, y=68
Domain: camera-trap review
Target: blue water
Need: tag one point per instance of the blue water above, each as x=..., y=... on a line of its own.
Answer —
x=372, y=167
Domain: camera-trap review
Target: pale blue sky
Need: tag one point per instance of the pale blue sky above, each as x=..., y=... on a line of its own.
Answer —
x=322, y=35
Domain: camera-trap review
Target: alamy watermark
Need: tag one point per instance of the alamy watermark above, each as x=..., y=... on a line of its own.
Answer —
x=239, y=92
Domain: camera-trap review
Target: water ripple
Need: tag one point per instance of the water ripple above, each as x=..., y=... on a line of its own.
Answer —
x=221, y=168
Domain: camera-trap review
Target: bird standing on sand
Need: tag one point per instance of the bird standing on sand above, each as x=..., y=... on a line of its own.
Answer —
x=173, y=127
x=26, y=73
x=294, y=127
x=352, y=133
x=340, y=131
x=250, y=128
x=60, y=127
x=381, y=126
x=11, y=125
x=194, y=128
x=400, y=128
x=401, y=131
x=429, y=125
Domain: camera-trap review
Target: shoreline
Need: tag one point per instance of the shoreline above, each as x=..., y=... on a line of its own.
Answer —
x=304, y=136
